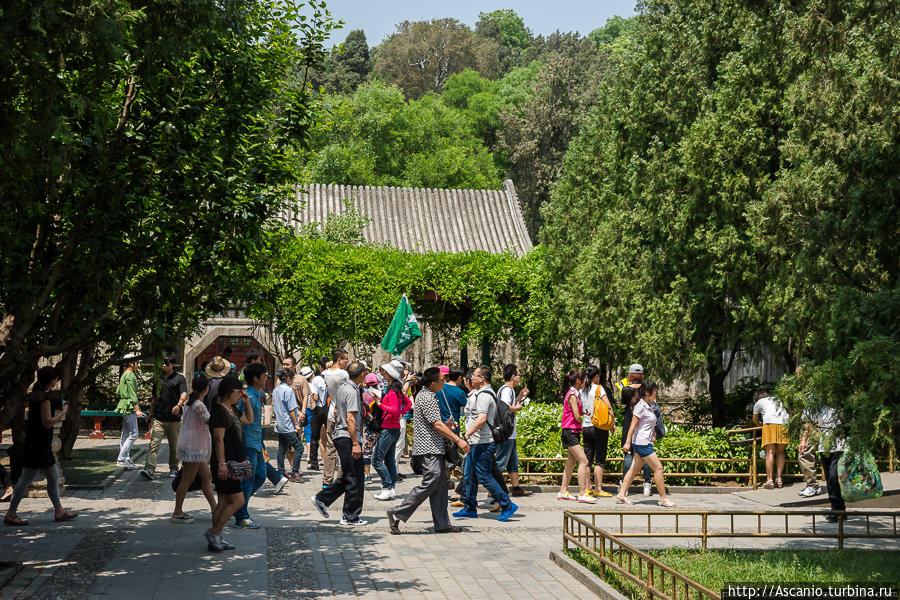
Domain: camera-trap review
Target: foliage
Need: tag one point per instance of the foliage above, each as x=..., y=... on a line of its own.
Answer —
x=347, y=67
x=538, y=435
x=375, y=137
x=422, y=55
x=142, y=150
x=349, y=293
x=738, y=405
x=616, y=36
x=508, y=31
x=344, y=228
x=536, y=134
x=727, y=184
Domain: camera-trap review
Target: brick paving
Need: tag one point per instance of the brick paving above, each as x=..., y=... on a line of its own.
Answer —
x=123, y=546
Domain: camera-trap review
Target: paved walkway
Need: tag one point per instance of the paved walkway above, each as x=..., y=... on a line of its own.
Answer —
x=123, y=546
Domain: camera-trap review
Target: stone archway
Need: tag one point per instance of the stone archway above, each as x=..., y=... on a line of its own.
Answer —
x=213, y=330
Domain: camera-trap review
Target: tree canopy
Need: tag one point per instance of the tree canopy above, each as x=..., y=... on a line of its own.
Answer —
x=142, y=152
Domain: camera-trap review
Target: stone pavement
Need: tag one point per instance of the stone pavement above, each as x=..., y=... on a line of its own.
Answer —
x=124, y=546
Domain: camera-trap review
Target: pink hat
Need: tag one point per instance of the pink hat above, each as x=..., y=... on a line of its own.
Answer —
x=371, y=379
x=445, y=370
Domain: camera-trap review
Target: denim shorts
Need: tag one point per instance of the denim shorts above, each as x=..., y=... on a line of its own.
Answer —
x=643, y=451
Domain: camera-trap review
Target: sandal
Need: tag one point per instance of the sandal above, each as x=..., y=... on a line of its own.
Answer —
x=666, y=502
x=623, y=500
x=778, y=482
x=66, y=516
x=769, y=484
x=15, y=521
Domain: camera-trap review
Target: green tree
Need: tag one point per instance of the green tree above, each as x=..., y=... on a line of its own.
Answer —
x=142, y=150
x=616, y=36
x=685, y=135
x=508, y=31
x=375, y=137
x=347, y=66
x=535, y=134
x=422, y=55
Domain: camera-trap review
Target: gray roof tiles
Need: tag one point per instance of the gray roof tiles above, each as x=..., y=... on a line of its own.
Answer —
x=424, y=219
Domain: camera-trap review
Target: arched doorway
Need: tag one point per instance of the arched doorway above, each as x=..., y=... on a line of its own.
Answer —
x=240, y=345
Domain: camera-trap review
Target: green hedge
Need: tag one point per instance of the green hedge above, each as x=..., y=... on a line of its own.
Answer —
x=539, y=436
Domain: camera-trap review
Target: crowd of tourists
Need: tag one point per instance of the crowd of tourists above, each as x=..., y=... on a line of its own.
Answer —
x=349, y=420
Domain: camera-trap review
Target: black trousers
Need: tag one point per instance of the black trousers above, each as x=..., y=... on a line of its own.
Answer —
x=433, y=488
x=829, y=464
x=350, y=483
x=318, y=420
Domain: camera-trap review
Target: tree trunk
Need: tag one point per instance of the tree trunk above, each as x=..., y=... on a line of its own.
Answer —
x=717, y=395
x=486, y=351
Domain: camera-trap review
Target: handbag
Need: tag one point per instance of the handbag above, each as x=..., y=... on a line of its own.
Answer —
x=239, y=469
x=195, y=485
x=602, y=415
x=268, y=413
x=858, y=477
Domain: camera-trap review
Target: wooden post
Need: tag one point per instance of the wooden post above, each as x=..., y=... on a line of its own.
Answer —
x=753, y=476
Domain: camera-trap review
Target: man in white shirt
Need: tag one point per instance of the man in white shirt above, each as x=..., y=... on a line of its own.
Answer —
x=320, y=413
x=507, y=455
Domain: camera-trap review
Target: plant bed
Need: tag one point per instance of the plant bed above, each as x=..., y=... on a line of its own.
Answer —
x=89, y=467
x=714, y=568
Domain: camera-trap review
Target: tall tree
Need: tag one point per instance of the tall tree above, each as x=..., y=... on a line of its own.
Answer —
x=376, y=137
x=347, y=67
x=535, y=135
x=685, y=135
x=142, y=150
x=422, y=55
x=508, y=31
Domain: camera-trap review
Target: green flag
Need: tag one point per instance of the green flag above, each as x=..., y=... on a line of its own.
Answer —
x=404, y=329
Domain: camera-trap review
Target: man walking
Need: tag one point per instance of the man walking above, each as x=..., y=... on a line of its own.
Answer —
x=429, y=433
x=335, y=376
x=347, y=404
x=320, y=413
x=481, y=410
x=130, y=409
x=507, y=454
x=165, y=409
x=287, y=424
x=255, y=376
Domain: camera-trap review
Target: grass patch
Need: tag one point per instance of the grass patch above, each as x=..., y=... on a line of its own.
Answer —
x=714, y=568
x=90, y=466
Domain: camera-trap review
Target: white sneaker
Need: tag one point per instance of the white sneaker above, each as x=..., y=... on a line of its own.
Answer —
x=128, y=464
x=646, y=488
x=173, y=473
x=281, y=483
x=809, y=491
x=587, y=499
x=386, y=494
x=358, y=522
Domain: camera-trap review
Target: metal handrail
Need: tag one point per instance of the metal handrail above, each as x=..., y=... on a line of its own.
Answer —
x=621, y=549
x=704, y=532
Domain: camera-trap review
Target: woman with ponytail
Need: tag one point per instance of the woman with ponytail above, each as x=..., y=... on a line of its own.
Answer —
x=641, y=435
x=570, y=393
x=194, y=448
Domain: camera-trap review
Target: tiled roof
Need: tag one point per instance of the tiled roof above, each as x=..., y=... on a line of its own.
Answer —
x=424, y=219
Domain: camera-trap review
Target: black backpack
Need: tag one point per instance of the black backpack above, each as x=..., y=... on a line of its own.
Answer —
x=372, y=415
x=505, y=421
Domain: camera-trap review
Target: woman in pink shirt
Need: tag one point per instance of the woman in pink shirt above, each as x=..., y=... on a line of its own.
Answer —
x=393, y=404
x=571, y=437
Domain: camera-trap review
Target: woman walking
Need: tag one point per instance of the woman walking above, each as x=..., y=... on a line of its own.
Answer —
x=194, y=449
x=775, y=438
x=225, y=422
x=595, y=440
x=573, y=382
x=393, y=404
x=43, y=414
x=371, y=392
x=641, y=435
x=130, y=410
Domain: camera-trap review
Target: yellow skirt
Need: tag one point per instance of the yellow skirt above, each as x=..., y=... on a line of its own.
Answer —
x=774, y=434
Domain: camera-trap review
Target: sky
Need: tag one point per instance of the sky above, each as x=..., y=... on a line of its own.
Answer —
x=378, y=18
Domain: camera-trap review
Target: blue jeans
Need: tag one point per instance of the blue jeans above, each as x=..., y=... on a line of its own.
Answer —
x=507, y=457
x=253, y=483
x=626, y=465
x=383, y=457
x=480, y=469
x=129, y=435
x=307, y=428
x=284, y=441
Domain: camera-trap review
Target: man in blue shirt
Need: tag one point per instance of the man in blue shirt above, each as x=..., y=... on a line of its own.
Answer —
x=452, y=398
x=255, y=376
x=287, y=423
